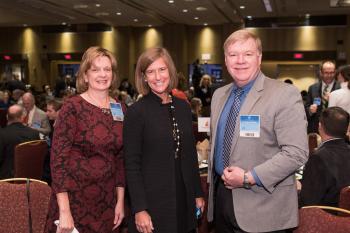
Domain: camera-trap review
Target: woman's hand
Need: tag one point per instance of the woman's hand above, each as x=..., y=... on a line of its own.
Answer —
x=118, y=214
x=143, y=222
x=200, y=203
x=66, y=224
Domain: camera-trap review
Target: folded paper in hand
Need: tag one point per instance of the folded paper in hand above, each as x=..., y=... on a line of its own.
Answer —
x=74, y=230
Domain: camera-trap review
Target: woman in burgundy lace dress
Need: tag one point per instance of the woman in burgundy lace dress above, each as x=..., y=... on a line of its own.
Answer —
x=86, y=159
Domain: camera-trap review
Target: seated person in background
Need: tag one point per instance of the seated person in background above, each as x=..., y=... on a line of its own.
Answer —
x=196, y=108
x=14, y=134
x=36, y=118
x=327, y=170
x=52, y=109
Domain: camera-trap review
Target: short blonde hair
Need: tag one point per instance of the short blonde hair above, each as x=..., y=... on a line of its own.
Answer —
x=242, y=35
x=89, y=56
x=145, y=60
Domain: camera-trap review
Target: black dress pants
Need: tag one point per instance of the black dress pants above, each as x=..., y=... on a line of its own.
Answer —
x=225, y=220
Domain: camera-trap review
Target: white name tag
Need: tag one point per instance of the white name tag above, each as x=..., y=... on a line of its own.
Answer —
x=203, y=124
x=249, y=126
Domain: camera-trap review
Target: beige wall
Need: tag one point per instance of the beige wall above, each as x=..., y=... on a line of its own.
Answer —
x=185, y=43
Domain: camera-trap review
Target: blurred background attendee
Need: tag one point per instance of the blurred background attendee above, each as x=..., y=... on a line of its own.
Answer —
x=327, y=170
x=15, y=83
x=16, y=97
x=52, y=109
x=318, y=94
x=341, y=97
x=125, y=98
x=179, y=91
x=196, y=108
x=125, y=85
x=10, y=136
x=341, y=73
x=36, y=118
x=204, y=92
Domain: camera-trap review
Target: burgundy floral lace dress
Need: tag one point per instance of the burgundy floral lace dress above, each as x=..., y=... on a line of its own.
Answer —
x=87, y=163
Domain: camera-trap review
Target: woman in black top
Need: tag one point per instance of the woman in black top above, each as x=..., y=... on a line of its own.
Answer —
x=160, y=156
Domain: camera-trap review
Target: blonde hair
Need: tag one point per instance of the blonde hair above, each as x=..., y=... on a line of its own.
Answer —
x=242, y=35
x=89, y=56
x=145, y=60
x=205, y=76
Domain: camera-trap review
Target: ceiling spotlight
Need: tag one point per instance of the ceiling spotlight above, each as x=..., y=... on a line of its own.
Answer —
x=242, y=7
x=249, y=17
x=80, y=6
x=171, y=1
x=25, y=25
x=136, y=20
x=119, y=13
x=184, y=10
x=101, y=13
x=97, y=5
x=307, y=16
x=196, y=18
x=149, y=25
x=200, y=8
x=205, y=24
x=64, y=23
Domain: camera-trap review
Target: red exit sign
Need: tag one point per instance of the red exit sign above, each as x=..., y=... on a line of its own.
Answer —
x=298, y=56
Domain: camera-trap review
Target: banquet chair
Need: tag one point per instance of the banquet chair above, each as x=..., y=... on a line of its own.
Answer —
x=17, y=213
x=344, y=198
x=314, y=219
x=3, y=118
x=313, y=144
x=29, y=159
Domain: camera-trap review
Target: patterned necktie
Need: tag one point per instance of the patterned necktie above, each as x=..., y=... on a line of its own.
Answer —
x=324, y=99
x=230, y=126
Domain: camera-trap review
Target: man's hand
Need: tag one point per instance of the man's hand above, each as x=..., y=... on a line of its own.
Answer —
x=233, y=177
x=313, y=108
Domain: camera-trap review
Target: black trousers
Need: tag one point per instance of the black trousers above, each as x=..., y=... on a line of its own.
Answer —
x=225, y=220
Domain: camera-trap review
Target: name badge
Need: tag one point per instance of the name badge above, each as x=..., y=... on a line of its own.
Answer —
x=203, y=124
x=36, y=125
x=317, y=101
x=249, y=126
x=117, y=111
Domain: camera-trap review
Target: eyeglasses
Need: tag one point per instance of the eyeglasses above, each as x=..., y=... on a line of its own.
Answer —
x=160, y=71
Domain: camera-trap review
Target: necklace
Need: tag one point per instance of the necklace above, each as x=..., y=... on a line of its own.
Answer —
x=175, y=129
x=103, y=107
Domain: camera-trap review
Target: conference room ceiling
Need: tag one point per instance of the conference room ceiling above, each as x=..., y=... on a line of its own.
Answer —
x=139, y=13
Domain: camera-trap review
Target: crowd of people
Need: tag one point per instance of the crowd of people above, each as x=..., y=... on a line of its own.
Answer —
x=108, y=144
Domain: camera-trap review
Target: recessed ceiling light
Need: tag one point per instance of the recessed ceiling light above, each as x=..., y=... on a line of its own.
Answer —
x=25, y=25
x=307, y=16
x=149, y=25
x=136, y=20
x=119, y=13
x=201, y=8
x=80, y=6
x=101, y=13
x=196, y=18
x=97, y=5
x=242, y=7
x=184, y=10
x=64, y=23
x=249, y=17
x=205, y=24
x=171, y=1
